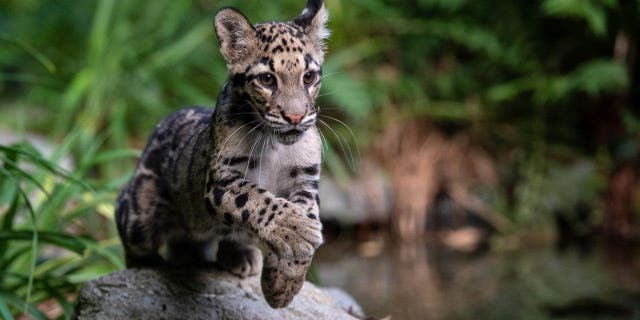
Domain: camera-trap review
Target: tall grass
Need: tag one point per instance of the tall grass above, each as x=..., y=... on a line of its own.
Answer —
x=51, y=220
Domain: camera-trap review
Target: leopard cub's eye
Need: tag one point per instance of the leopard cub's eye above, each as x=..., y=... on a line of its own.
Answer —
x=309, y=77
x=267, y=79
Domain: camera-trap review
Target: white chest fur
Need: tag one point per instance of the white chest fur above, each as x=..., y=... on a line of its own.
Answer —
x=273, y=162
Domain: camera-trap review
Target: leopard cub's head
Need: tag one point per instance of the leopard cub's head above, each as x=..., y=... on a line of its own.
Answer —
x=276, y=66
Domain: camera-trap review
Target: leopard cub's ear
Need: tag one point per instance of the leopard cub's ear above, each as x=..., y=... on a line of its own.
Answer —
x=313, y=20
x=236, y=35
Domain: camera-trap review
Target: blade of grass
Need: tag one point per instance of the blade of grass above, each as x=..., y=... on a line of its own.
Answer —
x=62, y=240
x=7, y=188
x=72, y=243
x=98, y=37
x=105, y=253
x=6, y=262
x=89, y=272
x=4, y=310
x=70, y=140
x=44, y=163
x=86, y=208
x=49, y=278
x=7, y=224
x=18, y=303
x=14, y=166
x=71, y=101
x=49, y=267
x=116, y=154
x=118, y=182
x=34, y=247
x=49, y=209
x=37, y=55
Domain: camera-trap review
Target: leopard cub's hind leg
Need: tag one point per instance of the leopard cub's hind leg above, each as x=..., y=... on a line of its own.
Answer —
x=140, y=249
x=240, y=258
x=142, y=220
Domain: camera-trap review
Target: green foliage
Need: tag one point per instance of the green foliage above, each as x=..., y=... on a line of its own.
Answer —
x=39, y=257
x=593, y=12
x=132, y=48
x=594, y=78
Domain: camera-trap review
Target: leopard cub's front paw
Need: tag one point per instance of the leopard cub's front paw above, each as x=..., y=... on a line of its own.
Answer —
x=282, y=279
x=289, y=232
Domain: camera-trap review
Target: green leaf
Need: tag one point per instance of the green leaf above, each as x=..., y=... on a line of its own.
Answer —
x=41, y=162
x=9, y=215
x=71, y=243
x=600, y=76
x=34, y=245
x=19, y=304
x=21, y=173
x=7, y=261
x=99, y=35
x=4, y=310
x=594, y=14
x=37, y=55
x=71, y=98
x=114, y=155
x=103, y=252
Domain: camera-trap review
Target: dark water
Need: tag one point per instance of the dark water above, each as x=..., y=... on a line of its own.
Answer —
x=431, y=282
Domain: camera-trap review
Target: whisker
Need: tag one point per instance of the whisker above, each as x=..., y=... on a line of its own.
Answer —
x=229, y=137
x=260, y=161
x=325, y=144
x=277, y=134
x=344, y=151
x=329, y=108
x=326, y=94
x=245, y=136
x=331, y=74
x=246, y=169
x=350, y=132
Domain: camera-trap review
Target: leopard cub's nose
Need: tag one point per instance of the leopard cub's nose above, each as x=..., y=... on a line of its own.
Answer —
x=293, y=118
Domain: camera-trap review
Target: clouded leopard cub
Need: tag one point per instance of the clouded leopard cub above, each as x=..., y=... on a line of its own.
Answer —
x=244, y=173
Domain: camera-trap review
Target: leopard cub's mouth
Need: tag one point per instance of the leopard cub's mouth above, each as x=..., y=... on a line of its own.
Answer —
x=289, y=136
x=293, y=132
x=287, y=129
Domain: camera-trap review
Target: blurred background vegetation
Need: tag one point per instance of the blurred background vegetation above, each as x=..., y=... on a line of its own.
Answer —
x=473, y=124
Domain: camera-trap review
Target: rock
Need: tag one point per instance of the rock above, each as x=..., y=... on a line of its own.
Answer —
x=166, y=294
x=346, y=301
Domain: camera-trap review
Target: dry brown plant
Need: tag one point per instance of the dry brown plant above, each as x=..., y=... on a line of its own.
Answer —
x=422, y=161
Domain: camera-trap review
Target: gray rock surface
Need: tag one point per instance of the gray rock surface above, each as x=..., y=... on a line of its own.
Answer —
x=164, y=294
x=346, y=301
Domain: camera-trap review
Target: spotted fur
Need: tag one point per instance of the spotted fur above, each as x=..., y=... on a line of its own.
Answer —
x=243, y=173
